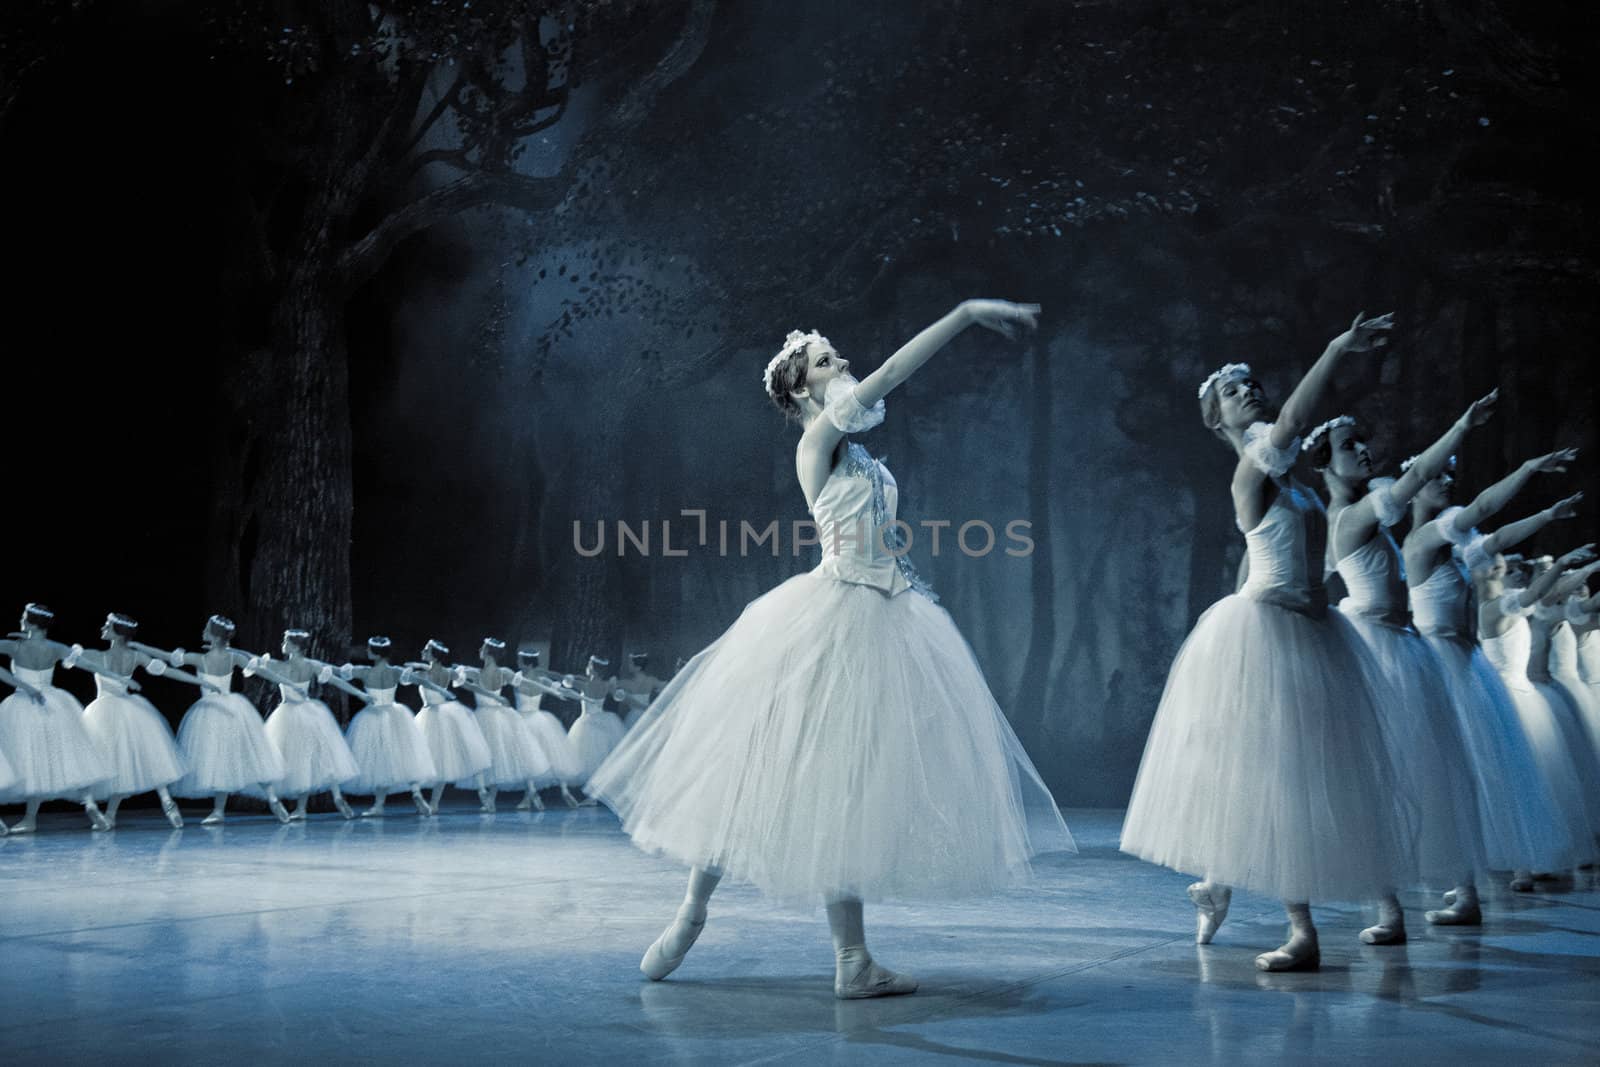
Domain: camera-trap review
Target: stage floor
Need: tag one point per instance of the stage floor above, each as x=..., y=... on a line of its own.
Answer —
x=516, y=938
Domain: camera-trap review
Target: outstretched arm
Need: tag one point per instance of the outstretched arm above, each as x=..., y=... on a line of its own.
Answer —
x=1487, y=503
x=1300, y=409
x=1513, y=534
x=1543, y=584
x=1571, y=582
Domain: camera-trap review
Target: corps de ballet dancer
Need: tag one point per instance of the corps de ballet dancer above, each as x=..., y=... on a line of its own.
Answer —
x=1547, y=620
x=838, y=743
x=225, y=747
x=460, y=751
x=642, y=686
x=1419, y=726
x=50, y=751
x=518, y=761
x=1266, y=765
x=1583, y=619
x=384, y=737
x=1520, y=825
x=316, y=756
x=1506, y=638
x=530, y=685
x=7, y=775
x=133, y=736
x=596, y=731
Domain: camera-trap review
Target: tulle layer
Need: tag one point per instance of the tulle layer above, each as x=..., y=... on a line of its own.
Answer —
x=225, y=747
x=514, y=752
x=455, y=742
x=389, y=749
x=565, y=766
x=136, y=743
x=593, y=736
x=1427, y=752
x=1266, y=766
x=1581, y=754
x=316, y=756
x=50, y=752
x=834, y=741
x=1523, y=827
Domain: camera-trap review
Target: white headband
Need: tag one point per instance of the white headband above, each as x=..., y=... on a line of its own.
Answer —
x=1228, y=371
x=791, y=344
x=1315, y=436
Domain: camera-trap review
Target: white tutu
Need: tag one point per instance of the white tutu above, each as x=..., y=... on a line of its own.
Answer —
x=516, y=755
x=565, y=766
x=1426, y=751
x=7, y=774
x=1266, y=766
x=1522, y=824
x=834, y=741
x=457, y=745
x=225, y=747
x=50, y=752
x=388, y=747
x=593, y=736
x=315, y=754
x=134, y=739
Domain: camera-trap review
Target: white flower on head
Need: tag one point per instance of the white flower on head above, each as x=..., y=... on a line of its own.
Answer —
x=791, y=344
x=1232, y=370
x=1315, y=436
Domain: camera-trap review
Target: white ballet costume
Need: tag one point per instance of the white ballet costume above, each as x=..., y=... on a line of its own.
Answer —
x=594, y=734
x=134, y=739
x=516, y=757
x=838, y=740
x=225, y=744
x=565, y=766
x=1419, y=722
x=389, y=748
x=1521, y=824
x=1567, y=672
x=1266, y=766
x=1589, y=671
x=459, y=749
x=1550, y=738
x=316, y=757
x=50, y=752
x=1544, y=658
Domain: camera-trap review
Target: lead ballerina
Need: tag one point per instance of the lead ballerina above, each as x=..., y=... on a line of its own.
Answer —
x=1266, y=766
x=838, y=743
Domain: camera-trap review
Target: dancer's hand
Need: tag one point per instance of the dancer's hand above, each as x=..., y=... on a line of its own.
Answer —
x=133, y=686
x=1482, y=410
x=1552, y=462
x=33, y=694
x=1568, y=508
x=1003, y=317
x=1576, y=558
x=1366, y=334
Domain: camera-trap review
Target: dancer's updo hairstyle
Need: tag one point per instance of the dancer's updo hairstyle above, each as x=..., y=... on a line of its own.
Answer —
x=220, y=626
x=527, y=657
x=38, y=615
x=122, y=625
x=300, y=639
x=379, y=647
x=436, y=649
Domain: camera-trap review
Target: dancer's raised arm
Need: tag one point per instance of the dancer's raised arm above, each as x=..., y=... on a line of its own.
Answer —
x=1513, y=534
x=1301, y=407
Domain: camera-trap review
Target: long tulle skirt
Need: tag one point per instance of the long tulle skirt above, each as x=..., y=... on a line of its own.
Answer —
x=1522, y=824
x=1266, y=765
x=136, y=743
x=389, y=749
x=225, y=747
x=592, y=738
x=1549, y=722
x=50, y=752
x=834, y=741
x=565, y=766
x=514, y=750
x=1564, y=704
x=457, y=745
x=316, y=756
x=1426, y=750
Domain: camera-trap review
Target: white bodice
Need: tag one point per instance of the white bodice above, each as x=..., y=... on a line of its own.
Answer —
x=1509, y=651
x=844, y=516
x=382, y=696
x=592, y=705
x=1374, y=574
x=1540, y=638
x=1589, y=656
x=290, y=694
x=1276, y=547
x=104, y=685
x=1439, y=605
x=223, y=682
x=1564, y=653
x=432, y=697
x=36, y=678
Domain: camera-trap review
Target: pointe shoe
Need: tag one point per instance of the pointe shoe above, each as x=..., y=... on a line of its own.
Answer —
x=421, y=802
x=537, y=801
x=656, y=964
x=433, y=807
x=570, y=800
x=298, y=814
x=169, y=808
x=1210, y=908
x=279, y=810
x=526, y=803
x=374, y=812
x=344, y=807
x=1522, y=882
x=214, y=819
x=1382, y=933
x=98, y=820
x=863, y=980
x=1459, y=915
x=1304, y=956
x=26, y=826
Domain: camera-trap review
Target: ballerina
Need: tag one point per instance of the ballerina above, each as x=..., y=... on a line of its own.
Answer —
x=517, y=758
x=388, y=745
x=1520, y=825
x=642, y=686
x=1506, y=638
x=1583, y=616
x=460, y=752
x=596, y=731
x=316, y=757
x=531, y=684
x=41, y=728
x=1425, y=744
x=1266, y=765
x=224, y=745
x=838, y=743
x=1544, y=663
x=133, y=736
x=7, y=774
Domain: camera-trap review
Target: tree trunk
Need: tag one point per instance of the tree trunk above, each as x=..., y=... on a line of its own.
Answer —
x=1027, y=705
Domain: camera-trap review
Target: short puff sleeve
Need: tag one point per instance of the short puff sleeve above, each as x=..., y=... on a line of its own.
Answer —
x=1388, y=510
x=1511, y=605
x=846, y=412
x=1258, y=449
x=1475, y=556
x=1446, y=523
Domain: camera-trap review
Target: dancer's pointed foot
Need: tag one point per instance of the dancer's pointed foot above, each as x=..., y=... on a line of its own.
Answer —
x=1210, y=908
x=344, y=806
x=1299, y=953
x=298, y=813
x=526, y=803
x=567, y=797
x=214, y=819
x=421, y=802
x=535, y=799
x=97, y=819
x=279, y=810
x=1459, y=915
x=1388, y=931
x=667, y=951
x=169, y=808
x=27, y=826
x=374, y=812
x=857, y=977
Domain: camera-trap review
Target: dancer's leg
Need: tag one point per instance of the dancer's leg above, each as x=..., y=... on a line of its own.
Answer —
x=342, y=804
x=97, y=821
x=855, y=975
x=1390, y=928
x=1462, y=910
x=1300, y=952
x=567, y=797
x=275, y=804
x=219, y=804
x=30, y=819
x=378, y=800
x=111, y=809
x=169, y=808
x=299, y=810
x=668, y=951
x=1211, y=900
x=419, y=800
x=486, y=795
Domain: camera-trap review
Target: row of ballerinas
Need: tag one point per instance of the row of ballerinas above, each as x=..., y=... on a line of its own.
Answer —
x=1442, y=722
x=120, y=745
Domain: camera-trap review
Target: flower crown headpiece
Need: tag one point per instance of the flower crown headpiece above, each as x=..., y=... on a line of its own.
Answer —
x=1412, y=462
x=1220, y=373
x=1315, y=437
x=791, y=344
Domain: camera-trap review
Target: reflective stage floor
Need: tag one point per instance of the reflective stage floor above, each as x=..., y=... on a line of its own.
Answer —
x=515, y=938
